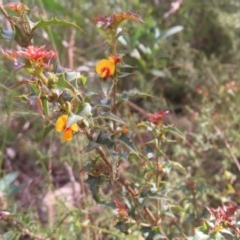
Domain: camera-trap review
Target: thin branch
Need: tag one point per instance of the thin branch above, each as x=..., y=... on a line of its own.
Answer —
x=149, y=213
x=227, y=146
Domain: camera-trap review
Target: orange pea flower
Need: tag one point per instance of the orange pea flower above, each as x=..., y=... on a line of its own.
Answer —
x=60, y=126
x=107, y=67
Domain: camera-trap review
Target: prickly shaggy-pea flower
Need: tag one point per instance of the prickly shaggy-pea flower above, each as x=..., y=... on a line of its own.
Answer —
x=107, y=67
x=61, y=126
x=36, y=55
x=156, y=118
x=115, y=19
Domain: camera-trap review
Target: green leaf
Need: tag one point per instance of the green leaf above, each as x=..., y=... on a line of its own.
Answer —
x=124, y=74
x=105, y=102
x=124, y=226
x=45, y=106
x=92, y=145
x=155, y=195
x=106, y=87
x=8, y=35
x=54, y=21
x=126, y=139
x=200, y=236
x=47, y=130
x=85, y=110
x=170, y=32
x=133, y=93
x=70, y=76
x=62, y=84
x=84, y=80
x=175, y=131
x=94, y=183
x=110, y=116
x=168, y=165
x=105, y=139
x=7, y=180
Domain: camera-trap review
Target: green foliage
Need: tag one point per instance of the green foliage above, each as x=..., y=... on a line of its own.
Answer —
x=152, y=176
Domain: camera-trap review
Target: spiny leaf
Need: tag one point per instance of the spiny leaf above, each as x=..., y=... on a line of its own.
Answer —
x=92, y=145
x=94, y=183
x=127, y=141
x=105, y=139
x=54, y=21
x=62, y=83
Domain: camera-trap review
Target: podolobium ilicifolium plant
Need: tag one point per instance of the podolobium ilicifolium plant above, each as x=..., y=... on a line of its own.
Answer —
x=143, y=200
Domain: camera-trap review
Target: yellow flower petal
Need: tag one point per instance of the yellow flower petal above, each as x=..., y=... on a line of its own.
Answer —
x=105, y=68
x=61, y=122
x=67, y=135
x=74, y=127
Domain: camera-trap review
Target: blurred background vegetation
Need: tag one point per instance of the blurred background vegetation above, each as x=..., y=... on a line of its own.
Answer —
x=188, y=61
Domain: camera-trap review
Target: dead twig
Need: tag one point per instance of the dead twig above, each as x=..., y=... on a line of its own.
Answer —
x=227, y=146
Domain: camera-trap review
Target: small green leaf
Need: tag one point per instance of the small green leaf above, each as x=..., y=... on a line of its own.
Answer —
x=70, y=76
x=124, y=226
x=45, y=106
x=169, y=32
x=54, y=21
x=94, y=183
x=106, y=87
x=73, y=118
x=92, y=145
x=62, y=84
x=106, y=102
x=84, y=80
x=110, y=116
x=175, y=131
x=133, y=93
x=7, y=180
x=124, y=74
x=105, y=139
x=8, y=35
x=168, y=165
x=47, y=130
x=85, y=110
x=200, y=236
